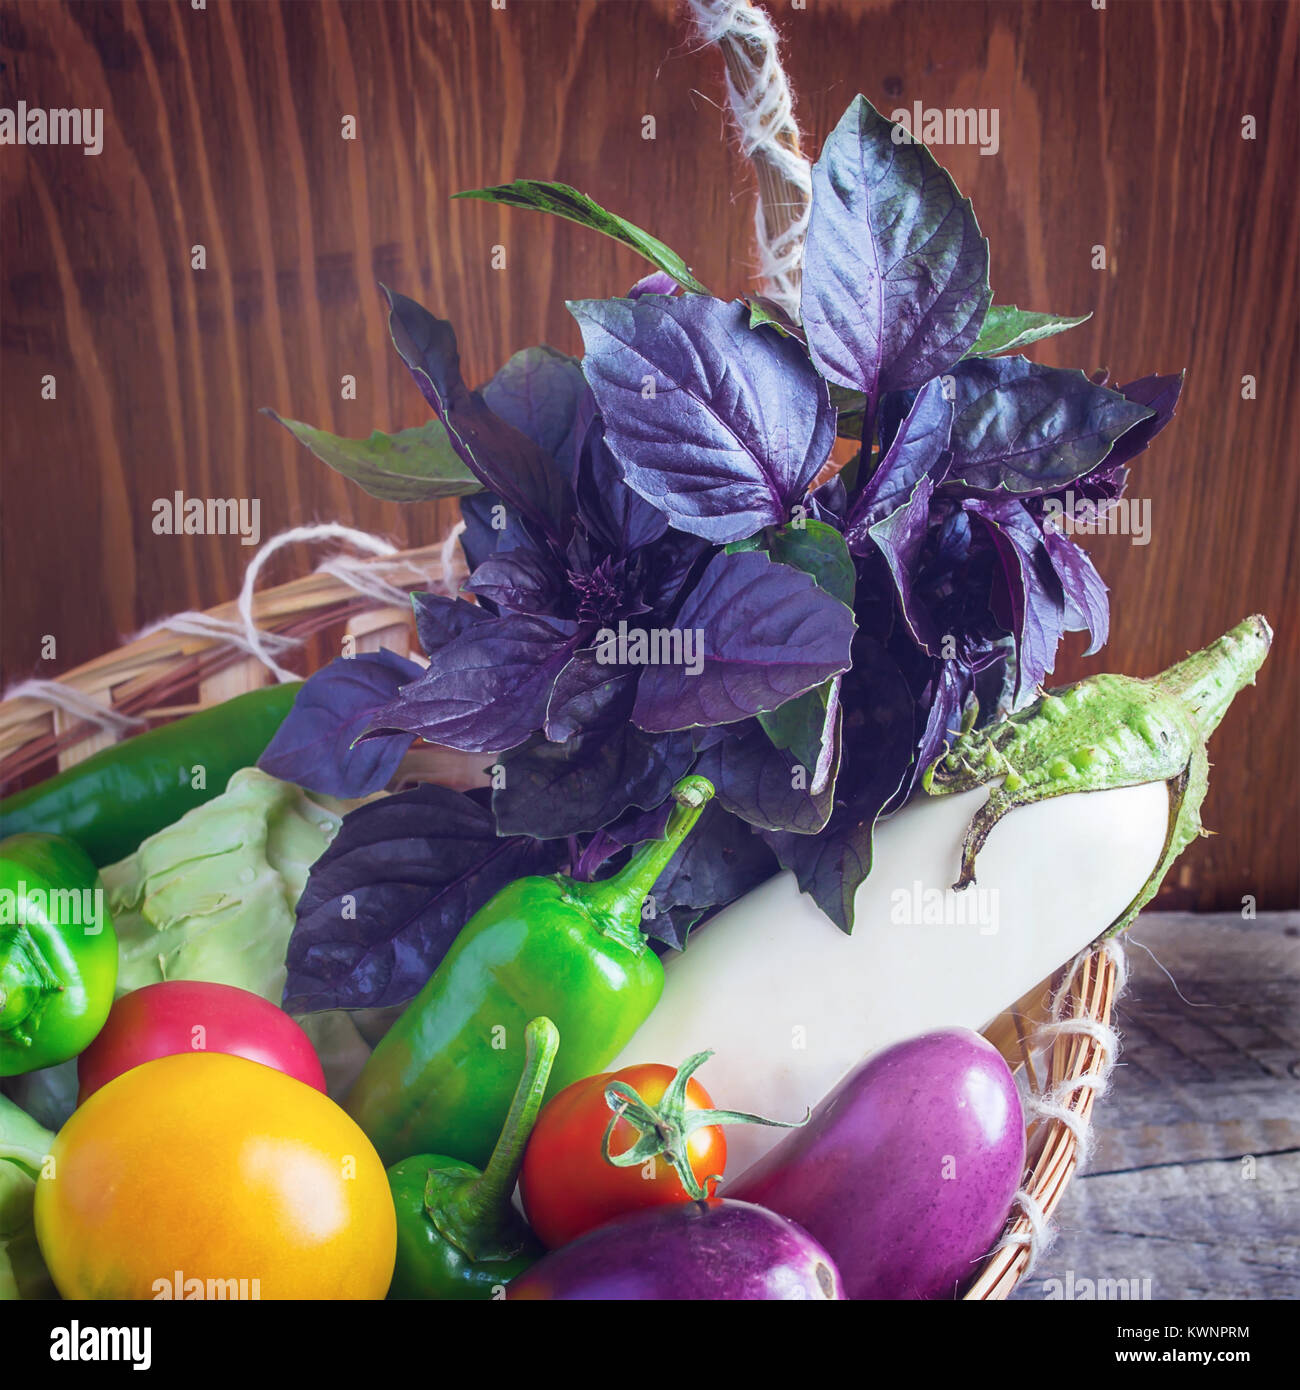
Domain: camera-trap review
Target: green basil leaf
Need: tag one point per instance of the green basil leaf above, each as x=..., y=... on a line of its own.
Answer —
x=1008, y=329
x=819, y=550
x=852, y=408
x=800, y=725
x=536, y=195
x=415, y=465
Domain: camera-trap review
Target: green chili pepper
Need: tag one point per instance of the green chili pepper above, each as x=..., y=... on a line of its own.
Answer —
x=458, y=1236
x=119, y=797
x=58, y=952
x=441, y=1079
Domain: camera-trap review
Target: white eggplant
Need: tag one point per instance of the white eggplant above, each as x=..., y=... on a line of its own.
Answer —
x=790, y=1004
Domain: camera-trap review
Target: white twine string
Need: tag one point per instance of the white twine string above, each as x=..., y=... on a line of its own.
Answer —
x=254, y=636
x=232, y=634
x=1057, y=1102
x=447, y=555
x=244, y=635
x=763, y=110
x=72, y=702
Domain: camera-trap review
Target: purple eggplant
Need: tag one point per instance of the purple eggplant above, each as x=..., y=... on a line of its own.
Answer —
x=715, y=1249
x=907, y=1170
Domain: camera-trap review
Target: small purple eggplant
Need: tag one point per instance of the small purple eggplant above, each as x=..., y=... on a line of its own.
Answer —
x=714, y=1249
x=907, y=1170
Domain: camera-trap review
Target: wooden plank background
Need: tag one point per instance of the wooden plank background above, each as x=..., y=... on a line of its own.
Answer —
x=1119, y=127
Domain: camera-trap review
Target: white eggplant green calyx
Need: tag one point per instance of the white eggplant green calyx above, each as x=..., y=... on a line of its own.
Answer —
x=1108, y=731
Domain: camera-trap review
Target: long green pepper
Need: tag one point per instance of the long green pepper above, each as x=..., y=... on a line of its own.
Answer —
x=442, y=1078
x=118, y=797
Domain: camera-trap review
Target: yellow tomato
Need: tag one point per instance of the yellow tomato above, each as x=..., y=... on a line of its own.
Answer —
x=206, y=1167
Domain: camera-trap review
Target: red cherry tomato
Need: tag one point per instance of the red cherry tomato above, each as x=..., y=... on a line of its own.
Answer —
x=566, y=1184
x=193, y=1016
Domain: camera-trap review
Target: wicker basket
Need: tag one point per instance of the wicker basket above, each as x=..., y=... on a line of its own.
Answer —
x=143, y=678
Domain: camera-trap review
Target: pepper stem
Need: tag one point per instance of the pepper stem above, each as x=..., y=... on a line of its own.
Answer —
x=483, y=1203
x=618, y=900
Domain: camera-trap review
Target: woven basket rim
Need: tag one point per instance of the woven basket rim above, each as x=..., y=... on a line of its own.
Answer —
x=142, y=676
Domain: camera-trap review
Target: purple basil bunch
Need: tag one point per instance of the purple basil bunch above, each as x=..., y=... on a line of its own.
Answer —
x=661, y=582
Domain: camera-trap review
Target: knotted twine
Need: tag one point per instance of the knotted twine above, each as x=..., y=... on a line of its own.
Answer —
x=1061, y=1102
x=244, y=635
x=762, y=107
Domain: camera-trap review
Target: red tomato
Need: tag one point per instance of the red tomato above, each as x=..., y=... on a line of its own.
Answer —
x=567, y=1186
x=193, y=1016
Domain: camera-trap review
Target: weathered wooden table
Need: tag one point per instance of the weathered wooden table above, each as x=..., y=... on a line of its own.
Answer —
x=1194, y=1185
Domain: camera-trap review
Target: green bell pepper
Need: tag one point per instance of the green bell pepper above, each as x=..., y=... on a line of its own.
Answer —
x=441, y=1079
x=458, y=1236
x=58, y=952
x=117, y=798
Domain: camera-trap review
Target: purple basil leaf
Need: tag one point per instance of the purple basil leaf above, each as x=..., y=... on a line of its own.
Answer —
x=1037, y=603
x=831, y=502
x=948, y=693
x=768, y=633
x=638, y=826
x=737, y=427
x=438, y=619
x=520, y=581
x=995, y=681
x=491, y=525
x=633, y=828
x=486, y=690
x=914, y=452
x=895, y=272
x=894, y=409
x=900, y=537
x=598, y=850
x=557, y=789
x=505, y=460
x=1161, y=394
x=1103, y=487
x=1087, y=605
x=1023, y=428
x=611, y=511
x=388, y=897
x=767, y=786
x=721, y=861
x=709, y=736
x=657, y=282
x=668, y=564
x=539, y=392
x=313, y=747
x=588, y=696
x=877, y=739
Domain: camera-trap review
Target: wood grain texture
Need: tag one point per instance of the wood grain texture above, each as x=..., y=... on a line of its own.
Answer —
x=1119, y=128
x=1195, y=1183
